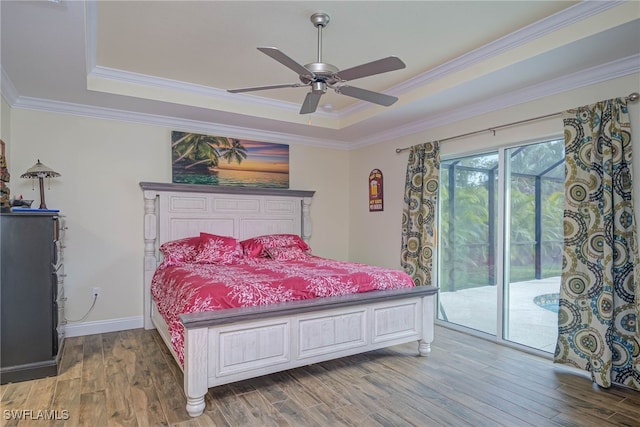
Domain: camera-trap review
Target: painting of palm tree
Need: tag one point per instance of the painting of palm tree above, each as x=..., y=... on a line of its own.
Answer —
x=219, y=160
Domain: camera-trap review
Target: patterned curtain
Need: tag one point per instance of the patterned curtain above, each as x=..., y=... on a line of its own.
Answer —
x=419, y=213
x=599, y=296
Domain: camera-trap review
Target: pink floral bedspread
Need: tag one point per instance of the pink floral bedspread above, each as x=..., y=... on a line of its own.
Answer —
x=190, y=288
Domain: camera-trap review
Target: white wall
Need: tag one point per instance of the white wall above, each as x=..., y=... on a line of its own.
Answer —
x=327, y=172
x=102, y=162
x=375, y=237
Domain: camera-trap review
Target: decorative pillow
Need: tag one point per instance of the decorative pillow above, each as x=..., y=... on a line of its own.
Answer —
x=216, y=249
x=255, y=247
x=288, y=253
x=181, y=251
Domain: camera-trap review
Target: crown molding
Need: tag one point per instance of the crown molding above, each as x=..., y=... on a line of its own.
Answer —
x=524, y=35
x=174, y=123
x=590, y=76
x=543, y=27
x=128, y=77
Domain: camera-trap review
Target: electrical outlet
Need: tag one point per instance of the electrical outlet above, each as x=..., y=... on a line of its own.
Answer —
x=95, y=292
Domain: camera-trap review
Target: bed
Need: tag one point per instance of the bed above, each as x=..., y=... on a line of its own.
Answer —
x=233, y=344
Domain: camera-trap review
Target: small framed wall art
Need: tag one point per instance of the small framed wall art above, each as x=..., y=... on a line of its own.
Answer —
x=376, y=200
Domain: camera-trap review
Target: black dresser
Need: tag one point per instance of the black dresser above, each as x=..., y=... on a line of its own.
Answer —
x=31, y=295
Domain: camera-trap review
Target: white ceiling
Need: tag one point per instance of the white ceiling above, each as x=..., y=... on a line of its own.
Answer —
x=170, y=62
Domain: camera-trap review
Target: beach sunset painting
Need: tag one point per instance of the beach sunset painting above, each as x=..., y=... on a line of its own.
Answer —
x=218, y=160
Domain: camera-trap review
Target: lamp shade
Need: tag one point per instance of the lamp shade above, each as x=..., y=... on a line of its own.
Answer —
x=40, y=170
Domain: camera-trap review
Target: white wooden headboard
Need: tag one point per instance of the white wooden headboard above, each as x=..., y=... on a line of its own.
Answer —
x=174, y=211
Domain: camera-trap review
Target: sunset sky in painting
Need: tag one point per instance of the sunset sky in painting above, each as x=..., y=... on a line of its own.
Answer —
x=261, y=156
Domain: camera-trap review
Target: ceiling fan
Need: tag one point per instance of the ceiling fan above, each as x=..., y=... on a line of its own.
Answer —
x=320, y=75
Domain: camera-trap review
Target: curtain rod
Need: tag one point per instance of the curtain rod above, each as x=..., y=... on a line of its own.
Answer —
x=633, y=97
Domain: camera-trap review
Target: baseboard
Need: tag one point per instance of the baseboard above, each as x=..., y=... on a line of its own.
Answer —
x=103, y=326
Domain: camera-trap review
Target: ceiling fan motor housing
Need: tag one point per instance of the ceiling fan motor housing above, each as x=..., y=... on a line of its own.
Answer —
x=323, y=72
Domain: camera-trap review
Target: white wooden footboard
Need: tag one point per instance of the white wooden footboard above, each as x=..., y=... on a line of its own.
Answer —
x=232, y=345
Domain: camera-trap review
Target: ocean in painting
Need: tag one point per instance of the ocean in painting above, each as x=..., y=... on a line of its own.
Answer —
x=239, y=178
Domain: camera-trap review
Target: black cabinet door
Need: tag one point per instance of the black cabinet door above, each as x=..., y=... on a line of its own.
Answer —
x=27, y=288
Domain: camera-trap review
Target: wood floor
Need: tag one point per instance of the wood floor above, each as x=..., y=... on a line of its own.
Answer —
x=129, y=378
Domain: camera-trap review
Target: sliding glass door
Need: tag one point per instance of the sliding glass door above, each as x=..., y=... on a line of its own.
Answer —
x=467, y=242
x=500, y=242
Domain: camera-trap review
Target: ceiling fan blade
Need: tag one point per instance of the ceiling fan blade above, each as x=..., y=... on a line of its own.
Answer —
x=367, y=95
x=250, y=89
x=279, y=56
x=310, y=103
x=390, y=63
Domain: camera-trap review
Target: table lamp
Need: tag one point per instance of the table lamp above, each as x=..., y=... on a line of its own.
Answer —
x=40, y=171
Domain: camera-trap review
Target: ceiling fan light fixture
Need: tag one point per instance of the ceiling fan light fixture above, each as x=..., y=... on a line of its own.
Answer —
x=319, y=87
